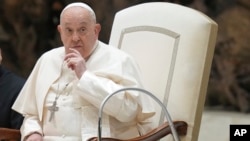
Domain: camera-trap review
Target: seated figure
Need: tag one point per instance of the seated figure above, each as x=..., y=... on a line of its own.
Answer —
x=10, y=86
x=61, y=97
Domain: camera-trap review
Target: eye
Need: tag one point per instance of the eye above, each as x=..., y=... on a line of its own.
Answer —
x=82, y=30
x=68, y=30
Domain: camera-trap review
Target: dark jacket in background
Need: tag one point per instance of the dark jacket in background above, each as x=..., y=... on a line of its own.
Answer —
x=10, y=86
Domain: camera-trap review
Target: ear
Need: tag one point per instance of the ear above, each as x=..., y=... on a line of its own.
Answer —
x=97, y=29
x=0, y=56
x=59, y=28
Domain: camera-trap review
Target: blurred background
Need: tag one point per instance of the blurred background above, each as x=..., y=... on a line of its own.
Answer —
x=28, y=28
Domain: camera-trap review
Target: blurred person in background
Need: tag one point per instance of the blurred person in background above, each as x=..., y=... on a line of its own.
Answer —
x=10, y=86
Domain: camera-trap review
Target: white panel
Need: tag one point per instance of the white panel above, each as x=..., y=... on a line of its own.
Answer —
x=157, y=47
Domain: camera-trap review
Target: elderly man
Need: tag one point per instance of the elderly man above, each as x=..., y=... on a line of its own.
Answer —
x=10, y=86
x=61, y=98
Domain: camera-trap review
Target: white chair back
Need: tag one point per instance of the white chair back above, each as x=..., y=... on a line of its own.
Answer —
x=173, y=46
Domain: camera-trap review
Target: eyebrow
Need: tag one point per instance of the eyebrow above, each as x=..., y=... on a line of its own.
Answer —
x=81, y=23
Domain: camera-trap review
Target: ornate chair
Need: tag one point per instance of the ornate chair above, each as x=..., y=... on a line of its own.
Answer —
x=173, y=46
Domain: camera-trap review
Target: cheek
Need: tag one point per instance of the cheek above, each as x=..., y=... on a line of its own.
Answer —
x=65, y=40
x=62, y=37
x=66, y=49
x=92, y=38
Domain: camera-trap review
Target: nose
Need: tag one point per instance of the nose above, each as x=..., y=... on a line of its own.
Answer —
x=75, y=37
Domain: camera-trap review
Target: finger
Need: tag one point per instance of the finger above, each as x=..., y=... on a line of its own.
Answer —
x=71, y=63
x=72, y=54
x=68, y=56
x=74, y=50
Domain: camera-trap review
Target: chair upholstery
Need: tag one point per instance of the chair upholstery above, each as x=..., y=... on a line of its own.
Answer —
x=173, y=46
x=7, y=134
x=153, y=135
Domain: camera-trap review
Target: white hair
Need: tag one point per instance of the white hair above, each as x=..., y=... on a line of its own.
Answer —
x=80, y=4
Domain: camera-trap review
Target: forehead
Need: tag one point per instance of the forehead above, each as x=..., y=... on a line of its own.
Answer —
x=76, y=14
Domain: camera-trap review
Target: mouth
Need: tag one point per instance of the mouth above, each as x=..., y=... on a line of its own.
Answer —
x=76, y=47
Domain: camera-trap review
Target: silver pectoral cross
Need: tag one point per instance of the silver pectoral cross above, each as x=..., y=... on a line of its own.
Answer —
x=52, y=110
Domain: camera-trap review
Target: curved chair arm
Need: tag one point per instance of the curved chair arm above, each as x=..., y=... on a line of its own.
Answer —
x=10, y=134
x=171, y=125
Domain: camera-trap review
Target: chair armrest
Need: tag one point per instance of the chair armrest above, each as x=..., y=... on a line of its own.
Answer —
x=154, y=134
x=10, y=134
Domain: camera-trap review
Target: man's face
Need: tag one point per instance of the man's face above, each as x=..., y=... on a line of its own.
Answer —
x=78, y=30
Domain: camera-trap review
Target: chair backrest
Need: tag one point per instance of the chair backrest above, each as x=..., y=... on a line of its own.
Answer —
x=173, y=46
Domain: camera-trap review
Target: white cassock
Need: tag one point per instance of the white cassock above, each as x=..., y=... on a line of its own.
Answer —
x=78, y=100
